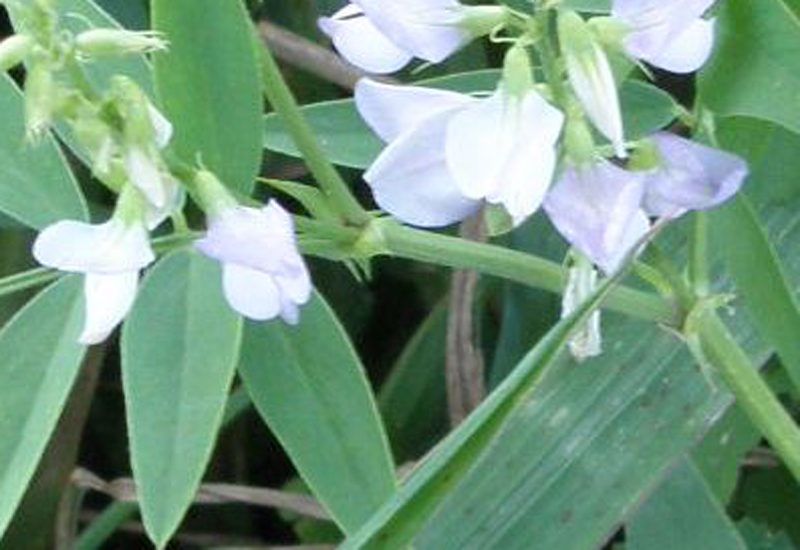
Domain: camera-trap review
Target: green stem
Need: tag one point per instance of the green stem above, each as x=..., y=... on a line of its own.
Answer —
x=549, y=58
x=513, y=265
x=27, y=279
x=105, y=525
x=752, y=393
x=282, y=100
x=698, y=254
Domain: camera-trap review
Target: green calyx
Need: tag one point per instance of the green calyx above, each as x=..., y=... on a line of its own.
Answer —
x=517, y=73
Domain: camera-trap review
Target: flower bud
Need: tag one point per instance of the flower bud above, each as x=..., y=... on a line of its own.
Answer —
x=578, y=141
x=592, y=80
x=42, y=97
x=117, y=42
x=482, y=20
x=517, y=74
x=581, y=283
x=14, y=50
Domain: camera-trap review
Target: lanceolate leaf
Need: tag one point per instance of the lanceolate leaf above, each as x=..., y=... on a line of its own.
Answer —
x=761, y=280
x=180, y=346
x=39, y=361
x=397, y=523
x=308, y=384
x=36, y=185
x=208, y=82
x=683, y=513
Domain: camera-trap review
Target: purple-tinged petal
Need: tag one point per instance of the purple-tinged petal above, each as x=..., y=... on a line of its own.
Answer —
x=691, y=177
x=684, y=52
x=597, y=209
x=108, y=300
x=502, y=149
x=669, y=35
x=410, y=179
x=423, y=27
x=391, y=110
x=261, y=239
x=361, y=43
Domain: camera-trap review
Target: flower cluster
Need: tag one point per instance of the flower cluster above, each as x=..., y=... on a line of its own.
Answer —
x=528, y=143
x=124, y=138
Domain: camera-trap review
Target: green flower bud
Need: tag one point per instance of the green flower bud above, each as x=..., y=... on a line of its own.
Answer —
x=482, y=20
x=14, y=50
x=42, y=98
x=117, y=42
x=517, y=73
x=578, y=141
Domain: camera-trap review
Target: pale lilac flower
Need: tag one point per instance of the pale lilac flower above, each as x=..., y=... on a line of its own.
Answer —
x=598, y=210
x=591, y=78
x=690, y=176
x=110, y=255
x=263, y=274
x=670, y=34
x=382, y=36
x=604, y=210
x=448, y=151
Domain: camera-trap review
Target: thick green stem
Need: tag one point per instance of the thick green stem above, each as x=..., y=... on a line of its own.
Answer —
x=752, y=393
x=513, y=265
x=283, y=102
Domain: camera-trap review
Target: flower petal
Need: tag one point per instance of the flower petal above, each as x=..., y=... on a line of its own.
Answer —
x=593, y=82
x=503, y=149
x=410, y=179
x=692, y=177
x=361, y=43
x=252, y=293
x=108, y=248
x=162, y=127
x=424, y=28
x=597, y=209
x=144, y=173
x=391, y=110
x=669, y=35
x=108, y=298
x=687, y=51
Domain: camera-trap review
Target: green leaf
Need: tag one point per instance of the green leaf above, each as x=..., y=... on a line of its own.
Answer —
x=683, y=513
x=759, y=537
x=720, y=455
x=761, y=280
x=413, y=400
x=40, y=362
x=756, y=68
x=36, y=185
x=208, y=82
x=398, y=522
x=348, y=141
x=180, y=346
x=310, y=388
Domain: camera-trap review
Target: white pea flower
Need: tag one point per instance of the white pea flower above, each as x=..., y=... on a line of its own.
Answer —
x=448, y=152
x=382, y=36
x=671, y=35
x=110, y=255
x=263, y=274
x=591, y=78
x=598, y=209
